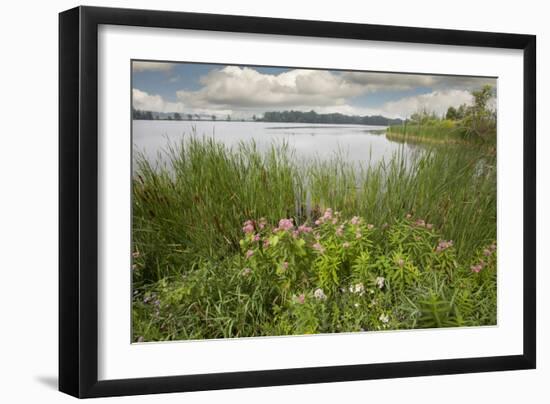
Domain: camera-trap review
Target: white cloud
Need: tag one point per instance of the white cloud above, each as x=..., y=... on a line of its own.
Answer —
x=388, y=81
x=399, y=81
x=153, y=102
x=244, y=88
x=151, y=66
x=237, y=87
x=437, y=101
x=243, y=91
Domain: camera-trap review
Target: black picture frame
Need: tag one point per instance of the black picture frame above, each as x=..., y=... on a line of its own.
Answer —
x=78, y=200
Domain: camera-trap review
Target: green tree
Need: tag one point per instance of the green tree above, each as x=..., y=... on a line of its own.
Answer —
x=461, y=111
x=479, y=119
x=451, y=114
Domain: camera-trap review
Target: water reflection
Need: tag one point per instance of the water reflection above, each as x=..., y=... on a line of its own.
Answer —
x=358, y=143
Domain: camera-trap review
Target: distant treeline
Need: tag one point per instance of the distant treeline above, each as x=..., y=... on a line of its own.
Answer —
x=337, y=118
x=174, y=116
x=281, y=116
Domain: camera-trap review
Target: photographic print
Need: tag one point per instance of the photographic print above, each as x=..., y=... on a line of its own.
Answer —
x=274, y=201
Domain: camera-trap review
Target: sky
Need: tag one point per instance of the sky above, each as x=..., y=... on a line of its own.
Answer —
x=244, y=91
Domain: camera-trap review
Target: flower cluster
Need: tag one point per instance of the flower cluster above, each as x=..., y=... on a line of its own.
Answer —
x=487, y=252
x=248, y=227
x=317, y=246
x=443, y=245
x=420, y=222
x=384, y=318
x=300, y=299
x=478, y=267
x=304, y=229
x=319, y=294
x=284, y=225
x=328, y=216
x=358, y=288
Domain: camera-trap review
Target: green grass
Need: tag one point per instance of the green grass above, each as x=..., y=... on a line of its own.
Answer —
x=436, y=132
x=188, y=219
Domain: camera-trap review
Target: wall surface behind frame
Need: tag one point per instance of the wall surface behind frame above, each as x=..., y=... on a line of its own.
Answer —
x=28, y=206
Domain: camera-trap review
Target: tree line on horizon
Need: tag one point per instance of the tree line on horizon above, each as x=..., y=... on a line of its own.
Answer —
x=274, y=116
x=336, y=118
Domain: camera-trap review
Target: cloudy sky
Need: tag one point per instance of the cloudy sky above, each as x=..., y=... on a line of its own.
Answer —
x=243, y=91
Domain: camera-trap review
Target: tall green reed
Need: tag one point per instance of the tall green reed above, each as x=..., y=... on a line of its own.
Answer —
x=193, y=208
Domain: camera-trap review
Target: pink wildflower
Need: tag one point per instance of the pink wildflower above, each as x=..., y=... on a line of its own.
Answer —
x=476, y=268
x=285, y=224
x=266, y=243
x=370, y=226
x=318, y=222
x=355, y=220
x=328, y=214
x=400, y=262
x=408, y=216
x=304, y=229
x=358, y=235
x=256, y=237
x=301, y=299
x=487, y=252
x=249, y=254
x=345, y=245
x=443, y=245
x=420, y=223
x=248, y=227
x=429, y=226
x=340, y=230
x=285, y=265
x=319, y=247
x=246, y=272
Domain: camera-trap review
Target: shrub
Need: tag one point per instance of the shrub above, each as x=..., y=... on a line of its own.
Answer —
x=336, y=274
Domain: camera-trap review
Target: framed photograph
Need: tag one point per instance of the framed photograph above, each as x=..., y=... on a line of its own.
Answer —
x=251, y=201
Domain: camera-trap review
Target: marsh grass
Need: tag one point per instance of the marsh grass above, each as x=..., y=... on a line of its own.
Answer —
x=437, y=133
x=188, y=216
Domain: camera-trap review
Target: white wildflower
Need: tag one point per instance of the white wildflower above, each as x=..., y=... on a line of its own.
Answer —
x=384, y=318
x=357, y=288
x=319, y=294
x=380, y=282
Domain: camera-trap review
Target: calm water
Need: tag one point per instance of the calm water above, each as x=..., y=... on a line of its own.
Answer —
x=359, y=143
